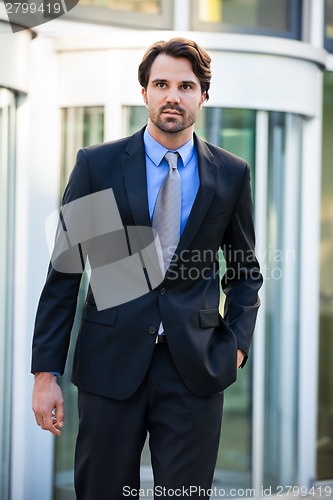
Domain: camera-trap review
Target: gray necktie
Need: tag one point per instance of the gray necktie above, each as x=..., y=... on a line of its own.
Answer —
x=166, y=218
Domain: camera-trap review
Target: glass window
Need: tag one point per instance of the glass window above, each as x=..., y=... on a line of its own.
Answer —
x=232, y=129
x=146, y=6
x=325, y=387
x=7, y=117
x=329, y=25
x=280, y=18
x=80, y=127
x=154, y=14
x=280, y=266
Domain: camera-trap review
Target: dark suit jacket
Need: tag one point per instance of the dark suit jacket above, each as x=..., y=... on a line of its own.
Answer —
x=115, y=345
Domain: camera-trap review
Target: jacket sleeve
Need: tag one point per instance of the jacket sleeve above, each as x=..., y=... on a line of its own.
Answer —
x=57, y=304
x=242, y=278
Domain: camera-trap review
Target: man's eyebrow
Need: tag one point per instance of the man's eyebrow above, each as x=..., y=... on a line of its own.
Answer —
x=188, y=82
x=184, y=82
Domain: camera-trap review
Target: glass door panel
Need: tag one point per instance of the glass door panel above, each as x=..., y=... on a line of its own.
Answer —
x=281, y=273
x=80, y=127
x=325, y=379
x=234, y=130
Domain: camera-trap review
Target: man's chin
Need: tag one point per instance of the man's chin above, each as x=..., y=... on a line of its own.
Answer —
x=170, y=127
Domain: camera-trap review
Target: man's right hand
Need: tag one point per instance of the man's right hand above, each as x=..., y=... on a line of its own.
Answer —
x=48, y=403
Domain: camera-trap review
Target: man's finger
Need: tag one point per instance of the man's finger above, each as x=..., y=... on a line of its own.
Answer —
x=38, y=420
x=48, y=425
x=60, y=414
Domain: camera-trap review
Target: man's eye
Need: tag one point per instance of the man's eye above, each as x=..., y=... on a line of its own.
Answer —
x=161, y=85
x=186, y=86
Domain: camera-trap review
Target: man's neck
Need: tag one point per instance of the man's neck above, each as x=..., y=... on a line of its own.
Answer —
x=171, y=141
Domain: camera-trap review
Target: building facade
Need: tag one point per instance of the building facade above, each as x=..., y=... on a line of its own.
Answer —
x=72, y=82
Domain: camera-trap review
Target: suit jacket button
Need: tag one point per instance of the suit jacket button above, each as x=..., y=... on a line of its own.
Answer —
x=162, y=291
x=152, y=330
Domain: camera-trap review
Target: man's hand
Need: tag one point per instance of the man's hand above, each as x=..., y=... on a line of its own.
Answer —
x=240, y=358
x=48, y=403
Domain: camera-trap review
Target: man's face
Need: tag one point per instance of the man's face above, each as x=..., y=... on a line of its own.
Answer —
x=173, y=96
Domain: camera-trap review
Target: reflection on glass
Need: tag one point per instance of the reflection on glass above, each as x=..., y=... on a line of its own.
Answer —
x=248, y=13
x=80, y=127
x=280, y=267
x=325, y=387
x=145, y=6
x=231, y=129
x=7, y=116
x=234, y=130
x=329, y=18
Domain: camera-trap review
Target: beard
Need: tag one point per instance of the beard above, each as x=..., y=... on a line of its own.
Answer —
x=172, y=124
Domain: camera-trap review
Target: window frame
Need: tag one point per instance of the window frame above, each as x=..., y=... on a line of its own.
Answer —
x=8, y=102
x=295, y=31
x=121, y=19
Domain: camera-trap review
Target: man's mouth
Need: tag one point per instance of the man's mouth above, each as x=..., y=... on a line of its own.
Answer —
x=171, y=112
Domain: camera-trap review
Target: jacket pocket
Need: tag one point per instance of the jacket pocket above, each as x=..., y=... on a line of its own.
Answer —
x=107, y=317
x=209, y=318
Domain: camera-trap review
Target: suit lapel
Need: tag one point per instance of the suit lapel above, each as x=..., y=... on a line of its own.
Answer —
x=134, y=172
x=208, y=181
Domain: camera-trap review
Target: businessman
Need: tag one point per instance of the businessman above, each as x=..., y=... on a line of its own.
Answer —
x=156, y=364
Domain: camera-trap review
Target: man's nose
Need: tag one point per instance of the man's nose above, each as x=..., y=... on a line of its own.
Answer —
x=173, y=95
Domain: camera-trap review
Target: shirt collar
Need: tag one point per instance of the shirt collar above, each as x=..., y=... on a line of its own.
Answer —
x=156, y=151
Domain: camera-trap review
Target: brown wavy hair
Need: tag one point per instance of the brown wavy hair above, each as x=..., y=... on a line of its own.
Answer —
x=178, y=47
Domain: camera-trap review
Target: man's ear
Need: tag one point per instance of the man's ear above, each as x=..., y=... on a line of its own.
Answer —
x=144, y=95
x=203, y=98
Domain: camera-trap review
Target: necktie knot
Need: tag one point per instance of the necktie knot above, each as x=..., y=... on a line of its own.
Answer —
x=172, y=159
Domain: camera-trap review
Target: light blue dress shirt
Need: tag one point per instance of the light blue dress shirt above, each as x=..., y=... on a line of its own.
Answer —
x=157, y=168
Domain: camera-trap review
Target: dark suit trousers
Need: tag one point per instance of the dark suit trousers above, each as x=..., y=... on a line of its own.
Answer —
x=184, y=432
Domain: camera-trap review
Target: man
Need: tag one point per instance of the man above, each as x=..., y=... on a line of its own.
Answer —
x=158, y=363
